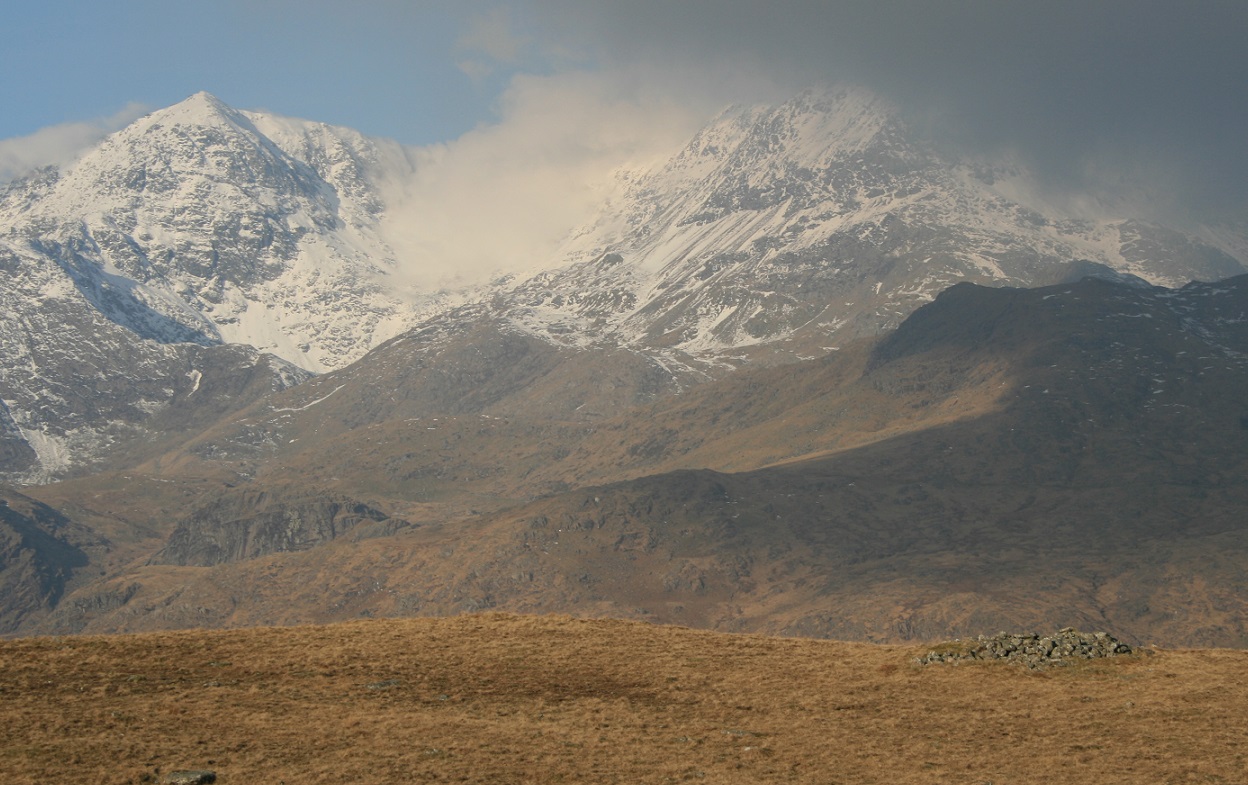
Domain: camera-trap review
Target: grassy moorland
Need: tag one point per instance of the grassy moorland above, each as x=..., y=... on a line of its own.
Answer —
x=511, y=699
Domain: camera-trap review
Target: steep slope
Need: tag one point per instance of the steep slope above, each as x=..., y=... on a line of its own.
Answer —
x=192, y=224
x=40, y=551
x=190, y=227
x=459, y=412
x=76, y=386
x=1073, y=454
x=503, y=413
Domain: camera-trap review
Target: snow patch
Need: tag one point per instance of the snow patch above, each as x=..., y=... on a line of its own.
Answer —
x=308, y=405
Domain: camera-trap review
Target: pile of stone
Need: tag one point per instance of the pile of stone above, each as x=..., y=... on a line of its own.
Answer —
x=1031, y=650
x=189, y=777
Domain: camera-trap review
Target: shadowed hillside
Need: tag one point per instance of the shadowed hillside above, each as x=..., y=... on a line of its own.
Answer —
x=1006, y=458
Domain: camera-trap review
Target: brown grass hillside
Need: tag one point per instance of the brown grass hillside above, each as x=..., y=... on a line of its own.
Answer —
x=507, y=699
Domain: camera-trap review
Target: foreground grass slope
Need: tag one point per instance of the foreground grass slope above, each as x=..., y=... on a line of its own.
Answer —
x=511, y=699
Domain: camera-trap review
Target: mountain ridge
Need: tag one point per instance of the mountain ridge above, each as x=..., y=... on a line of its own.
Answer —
x=795, y=366
x=1008, y=458
x=777, y=233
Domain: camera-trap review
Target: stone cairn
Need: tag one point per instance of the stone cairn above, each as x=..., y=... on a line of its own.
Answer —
x=189, y=777
x=1031, y=650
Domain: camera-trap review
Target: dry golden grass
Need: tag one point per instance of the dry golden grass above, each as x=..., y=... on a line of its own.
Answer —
x=507, y=699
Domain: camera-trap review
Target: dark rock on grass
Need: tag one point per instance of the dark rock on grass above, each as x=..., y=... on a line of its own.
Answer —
x=189, y=777
x=1029, y=649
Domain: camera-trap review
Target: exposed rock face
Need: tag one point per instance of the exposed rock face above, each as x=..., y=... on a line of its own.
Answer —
x=1030, y=649
x=40, y=550
x=76, y=388
x=247, y=525
x=16, y=455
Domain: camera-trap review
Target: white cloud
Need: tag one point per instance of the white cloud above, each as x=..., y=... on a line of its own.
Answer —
x=502, y=197
x=1084, y=91
x=60, y=144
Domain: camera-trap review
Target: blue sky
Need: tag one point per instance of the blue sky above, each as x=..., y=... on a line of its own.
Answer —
x=386, y=68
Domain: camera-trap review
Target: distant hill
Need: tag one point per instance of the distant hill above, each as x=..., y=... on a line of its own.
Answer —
x=1007, y=458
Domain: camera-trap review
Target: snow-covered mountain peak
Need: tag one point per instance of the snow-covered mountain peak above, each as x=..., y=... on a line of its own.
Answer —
x=751, y=157
x=196, y=153
x=201, y=109
x=789, y=228
x=193, y=223
x=806, y=128
x=365, y=170
x=776, y=232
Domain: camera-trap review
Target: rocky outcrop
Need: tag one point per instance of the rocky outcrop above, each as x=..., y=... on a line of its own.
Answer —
x=1032, y=650
x=250, y=524
x=40, y=550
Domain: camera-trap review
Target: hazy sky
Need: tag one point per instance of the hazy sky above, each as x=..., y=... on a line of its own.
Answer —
x=1098, y=89
x=1148, y=89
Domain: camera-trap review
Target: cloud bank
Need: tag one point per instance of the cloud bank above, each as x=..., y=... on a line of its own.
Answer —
x=501, y=198
x=60, y=144
x=1099, y=98
x=1087, y=91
